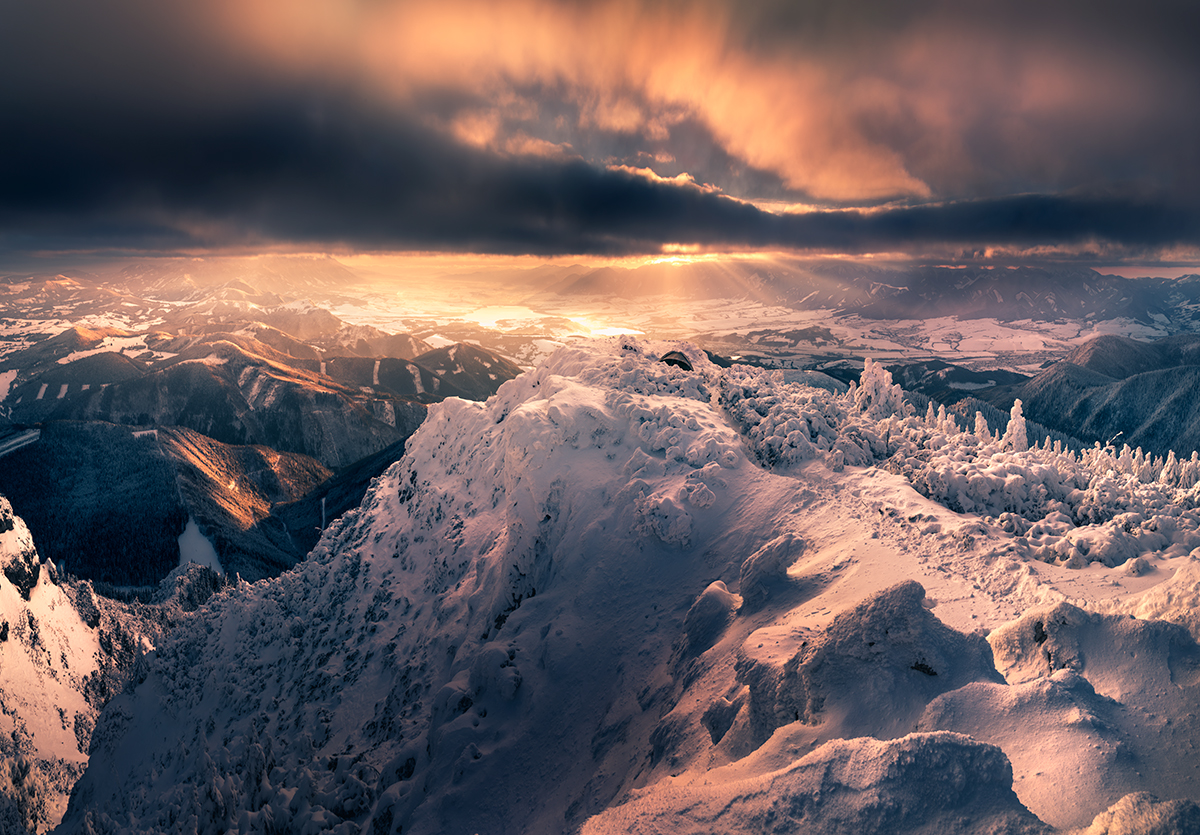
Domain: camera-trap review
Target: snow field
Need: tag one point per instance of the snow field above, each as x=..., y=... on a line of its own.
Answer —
x=195, y=547
x=935, y=783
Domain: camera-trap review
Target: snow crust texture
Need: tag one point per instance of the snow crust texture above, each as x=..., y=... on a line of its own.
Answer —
x=623, y=596
x=889, y=650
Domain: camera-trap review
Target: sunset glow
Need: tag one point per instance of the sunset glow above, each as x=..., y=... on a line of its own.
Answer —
x=588, y=417
x=603, y=129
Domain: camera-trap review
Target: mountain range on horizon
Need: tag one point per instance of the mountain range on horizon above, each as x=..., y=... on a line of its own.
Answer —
x=916, y=292
x=1109, y=389
x=259, y=435
x=1043, y=292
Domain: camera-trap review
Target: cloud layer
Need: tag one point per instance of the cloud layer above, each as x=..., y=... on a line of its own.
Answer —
x=522, y=126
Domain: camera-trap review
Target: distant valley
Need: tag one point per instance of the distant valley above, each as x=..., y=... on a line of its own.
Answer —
x=259, y=419
x=260, y=396
x=1110, y=390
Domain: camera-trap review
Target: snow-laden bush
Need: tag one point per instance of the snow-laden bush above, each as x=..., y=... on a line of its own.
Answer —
x=876, y=394
x=1015, y=437
x=1102, y=504
x=23, y=793
x=786, y=423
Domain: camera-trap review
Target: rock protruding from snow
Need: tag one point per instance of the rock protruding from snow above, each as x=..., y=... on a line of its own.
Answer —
x=1141, y=813
x=1109, y=698
x=1176, y=600
x=1052, y=726
x=18, y=558
x=877, y=666
x=709, y=616
x=922, y=783
x=765, y=570
x=1111, y=651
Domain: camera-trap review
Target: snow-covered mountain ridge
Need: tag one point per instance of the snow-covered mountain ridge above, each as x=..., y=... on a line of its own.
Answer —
x=64, y=652
x=617, y=580
x=46, y=653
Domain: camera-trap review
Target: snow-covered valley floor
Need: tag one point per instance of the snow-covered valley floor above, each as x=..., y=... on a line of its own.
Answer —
x=625, y=597
x=542, y=322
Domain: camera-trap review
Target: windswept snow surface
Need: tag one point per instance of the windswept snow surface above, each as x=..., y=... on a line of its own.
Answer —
x=631, y=598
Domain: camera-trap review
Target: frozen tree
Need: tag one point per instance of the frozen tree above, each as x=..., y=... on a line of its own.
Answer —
x=1015, y=436
x=876, y=395
x=982, y=431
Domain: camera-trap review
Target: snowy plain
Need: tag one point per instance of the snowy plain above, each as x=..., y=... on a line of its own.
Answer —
x=545, y=321
x=625, y=597
x=517, y=319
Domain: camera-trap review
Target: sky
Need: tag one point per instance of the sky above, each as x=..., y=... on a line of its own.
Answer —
x=983, y=131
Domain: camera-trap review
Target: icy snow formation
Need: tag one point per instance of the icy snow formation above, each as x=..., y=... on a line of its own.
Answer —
x=619, y=595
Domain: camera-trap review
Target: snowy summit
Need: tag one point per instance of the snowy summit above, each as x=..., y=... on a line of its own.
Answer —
x=625, y=596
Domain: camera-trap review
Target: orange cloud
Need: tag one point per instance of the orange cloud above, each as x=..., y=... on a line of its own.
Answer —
x=894, y=119
x=684, y=179
x=522, y=144
x=625, y=65
x=612, y=113
x=477, y=129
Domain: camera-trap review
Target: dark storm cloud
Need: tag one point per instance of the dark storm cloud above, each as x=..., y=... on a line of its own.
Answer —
x=60, y=54
x=134, y=124
x=331, y=174
x=1005, y=96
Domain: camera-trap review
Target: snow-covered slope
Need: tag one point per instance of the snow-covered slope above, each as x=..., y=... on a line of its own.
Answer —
x=64, y=652
x=46, y=654
x=238, y=390
x=627, y=597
